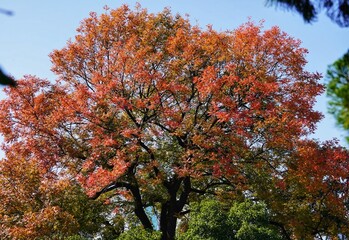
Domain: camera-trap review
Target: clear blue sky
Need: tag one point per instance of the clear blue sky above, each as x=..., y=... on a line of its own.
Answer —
x=40, y=26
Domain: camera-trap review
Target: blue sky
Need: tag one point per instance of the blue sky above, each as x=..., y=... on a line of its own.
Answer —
x=40, y=26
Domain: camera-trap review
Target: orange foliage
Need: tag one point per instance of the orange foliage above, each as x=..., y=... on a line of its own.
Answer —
x=148, y=103
x=27, y=208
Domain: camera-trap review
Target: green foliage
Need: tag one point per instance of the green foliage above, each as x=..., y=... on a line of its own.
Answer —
x=208, y=220
x=212, y=220
x=75, y=237
x=251, y=221
x=86, y=211
x=338, y=90
x=139, y=233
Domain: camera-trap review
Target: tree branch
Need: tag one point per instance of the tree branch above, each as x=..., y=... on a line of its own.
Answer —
x=111, y=187
x=184, y=195
x=283, y=229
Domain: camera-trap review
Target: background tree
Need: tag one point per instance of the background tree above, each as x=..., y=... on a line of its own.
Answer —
x=336, y=10
x=338, y=89
x=209, y=220
x=310, y=199
x=213, y=220
x=37, y=205
x=154, y=113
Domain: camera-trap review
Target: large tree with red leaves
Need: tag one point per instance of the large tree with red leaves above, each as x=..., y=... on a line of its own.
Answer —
x=152, y=112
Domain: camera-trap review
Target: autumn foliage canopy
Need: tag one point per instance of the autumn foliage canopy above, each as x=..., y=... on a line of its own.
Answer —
x=151, y=112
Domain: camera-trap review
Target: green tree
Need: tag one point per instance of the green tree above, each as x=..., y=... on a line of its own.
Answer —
x=214, y=220
x=338, y=90
x=208, y=220
x=253, y=221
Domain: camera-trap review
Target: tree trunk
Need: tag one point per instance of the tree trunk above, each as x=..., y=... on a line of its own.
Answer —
x=171, y=209
x=139, y=210
x=168, y=222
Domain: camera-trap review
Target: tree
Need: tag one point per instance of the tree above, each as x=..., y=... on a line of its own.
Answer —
x=212, y=220
x=209, y=220
x=336, y=10
x=253, y=221
x=37, y=205
x=310, y=197
x=338, y=88
x=152, y=112
x=23, y=206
